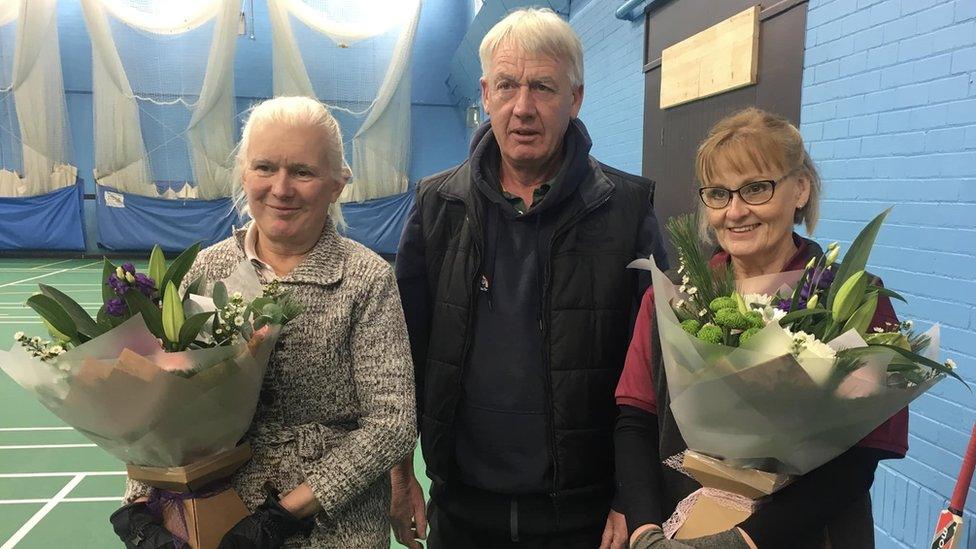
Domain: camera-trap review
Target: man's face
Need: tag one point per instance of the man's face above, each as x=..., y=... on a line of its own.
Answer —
x=530, y=100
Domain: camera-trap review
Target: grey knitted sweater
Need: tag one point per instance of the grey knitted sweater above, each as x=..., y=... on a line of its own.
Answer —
x=337, y=407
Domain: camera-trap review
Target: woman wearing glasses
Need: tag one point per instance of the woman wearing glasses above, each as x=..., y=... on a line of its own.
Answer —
x=757, y=184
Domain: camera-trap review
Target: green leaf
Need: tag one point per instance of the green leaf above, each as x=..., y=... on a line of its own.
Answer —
x=108, y=269
x=179, y=267
x=54, y=315
x=151, y=315
x=55, y=334
x=890, y=293
x=860, y=321
x=83, y=321
x=172, y=313
x=219, y=295
x=191, y=328
x=919, y=359
x=849, y=296
x=196, y=286
x=802, y=313
x=157, y=264
x=856, y=258
x=106, y=321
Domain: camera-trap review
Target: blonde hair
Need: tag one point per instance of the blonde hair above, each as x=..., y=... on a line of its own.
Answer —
x=535, y=31
x=755, y=140
x=300, y=112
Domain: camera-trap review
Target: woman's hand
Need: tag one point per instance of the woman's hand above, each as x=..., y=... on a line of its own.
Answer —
x=140, y=529
x=408, y=512
x=268, y=527
x=650, y=536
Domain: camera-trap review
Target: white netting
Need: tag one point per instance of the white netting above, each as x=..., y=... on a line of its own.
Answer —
x=34, y=135
x=163, y=95
x=355, y=57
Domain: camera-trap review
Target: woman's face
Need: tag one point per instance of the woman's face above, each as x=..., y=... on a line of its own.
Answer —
x=756, y=233
x=288, y=183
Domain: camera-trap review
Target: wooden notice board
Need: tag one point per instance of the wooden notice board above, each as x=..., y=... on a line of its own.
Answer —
x=720, y=58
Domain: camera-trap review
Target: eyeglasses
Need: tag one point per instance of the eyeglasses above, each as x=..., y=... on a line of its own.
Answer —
x=755, y=193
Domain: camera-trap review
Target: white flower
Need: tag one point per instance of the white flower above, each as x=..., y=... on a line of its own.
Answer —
x=238, y=321
x=702, y=312
x=908, y=324
x=236, y=295
x=950, y=364
x=757, y=300
x=772, y=314
x=681, y=268
x=814, y=356
x=685, y=279
x=682, y=288
x=35, y=340
x=692, y=290
x=18, y=336
x=56, y=350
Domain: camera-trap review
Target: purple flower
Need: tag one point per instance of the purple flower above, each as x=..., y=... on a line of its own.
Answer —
x=127, y=267
x=118, y=285
x=823, y=278
x=145, y=284
x=115, y=306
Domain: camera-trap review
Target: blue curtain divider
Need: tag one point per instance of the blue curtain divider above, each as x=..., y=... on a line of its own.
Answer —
x=133, y=222
x=51, y=221
x=377, y=223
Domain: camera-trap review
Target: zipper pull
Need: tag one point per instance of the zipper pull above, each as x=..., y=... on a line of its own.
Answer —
x=485, y=286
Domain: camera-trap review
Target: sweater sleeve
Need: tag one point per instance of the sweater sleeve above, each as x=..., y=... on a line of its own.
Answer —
x=384, y=384
x=638, y=467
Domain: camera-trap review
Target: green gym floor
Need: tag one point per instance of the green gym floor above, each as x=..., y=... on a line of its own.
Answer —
x=57, y=489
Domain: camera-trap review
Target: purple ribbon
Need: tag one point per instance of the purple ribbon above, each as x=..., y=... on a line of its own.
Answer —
x=160, y=500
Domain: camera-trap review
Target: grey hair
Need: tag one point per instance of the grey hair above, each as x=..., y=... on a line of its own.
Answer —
x=292, y=111
x=535, y=31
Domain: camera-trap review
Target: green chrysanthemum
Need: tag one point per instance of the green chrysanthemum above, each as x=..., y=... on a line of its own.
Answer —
x=691, y=326
x=710, y=333
x=719, y=303
x=732, y=319
x=747, y=335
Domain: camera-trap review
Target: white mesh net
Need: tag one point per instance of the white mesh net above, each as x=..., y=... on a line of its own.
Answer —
x=163, y=95
x=34, y=136
x=355, y=57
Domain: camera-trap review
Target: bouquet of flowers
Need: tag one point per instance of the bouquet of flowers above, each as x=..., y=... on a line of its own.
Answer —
x=156, y=378
x=782, y=373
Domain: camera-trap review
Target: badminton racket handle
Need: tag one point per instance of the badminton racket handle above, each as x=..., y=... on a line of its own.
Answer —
x=965, y=476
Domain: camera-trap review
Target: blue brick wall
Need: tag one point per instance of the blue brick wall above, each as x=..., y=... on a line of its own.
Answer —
x=889, y=115
x=613, y=102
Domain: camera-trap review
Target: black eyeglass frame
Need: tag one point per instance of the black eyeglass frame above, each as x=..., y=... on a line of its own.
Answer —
x=772, y=184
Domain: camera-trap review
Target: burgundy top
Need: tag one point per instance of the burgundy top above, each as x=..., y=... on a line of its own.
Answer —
x=636, y=386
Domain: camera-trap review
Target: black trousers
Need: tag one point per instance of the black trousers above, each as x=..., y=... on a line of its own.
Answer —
x=452, y=532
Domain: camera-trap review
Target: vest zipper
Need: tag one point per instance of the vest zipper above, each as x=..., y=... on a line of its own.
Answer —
x=544, y=326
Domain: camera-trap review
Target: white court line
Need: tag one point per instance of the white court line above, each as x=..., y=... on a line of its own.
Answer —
x=43, y=446
x=63, y=474
x=63, y=500
x=8, y=429
x=49, y=274
x=42, y=512
x=52, y=264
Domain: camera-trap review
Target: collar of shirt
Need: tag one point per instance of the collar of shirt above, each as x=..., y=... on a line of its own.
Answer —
x=537, y=196
x=265, y=272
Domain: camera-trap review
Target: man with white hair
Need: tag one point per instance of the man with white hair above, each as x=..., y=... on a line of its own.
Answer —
x=512, y=272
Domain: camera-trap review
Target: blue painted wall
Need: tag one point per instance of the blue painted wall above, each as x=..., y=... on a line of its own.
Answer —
x=613, y=97
x=439, y=137
x=889, y=114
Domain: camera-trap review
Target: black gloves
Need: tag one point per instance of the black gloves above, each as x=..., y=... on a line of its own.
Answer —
x=140, y=529
x=268, y=527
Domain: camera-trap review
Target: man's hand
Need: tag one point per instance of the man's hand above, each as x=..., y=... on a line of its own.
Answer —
x=615, y=533
x=408, y=512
